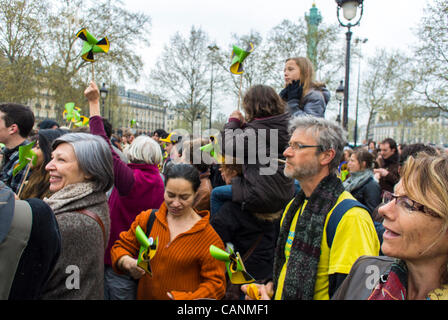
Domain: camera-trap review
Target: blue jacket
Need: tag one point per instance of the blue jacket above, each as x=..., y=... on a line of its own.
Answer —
x=314, y=103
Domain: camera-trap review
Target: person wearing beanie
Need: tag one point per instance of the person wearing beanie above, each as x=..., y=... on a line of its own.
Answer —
x=48, y=124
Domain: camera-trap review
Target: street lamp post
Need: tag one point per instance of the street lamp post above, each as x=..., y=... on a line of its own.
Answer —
x=340, y=97
x=212, y=49
x=103, y=94
x=355, y=134
x=349, y=9
x=197, y=126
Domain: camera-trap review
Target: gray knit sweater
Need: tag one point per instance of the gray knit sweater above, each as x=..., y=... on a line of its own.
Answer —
x=79, y=272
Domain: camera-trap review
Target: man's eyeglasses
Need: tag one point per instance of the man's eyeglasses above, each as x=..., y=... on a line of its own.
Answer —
x=408, y=204
x=297, y=146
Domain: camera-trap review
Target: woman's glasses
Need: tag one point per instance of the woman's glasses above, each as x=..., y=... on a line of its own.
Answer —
x=408, y=204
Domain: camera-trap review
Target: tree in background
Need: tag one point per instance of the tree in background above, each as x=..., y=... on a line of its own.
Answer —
x=431, y=56
x=254, y=66
x=183, y=72
x=39, y=50
x=21, y=48
x=68, y=74
x=380, y=83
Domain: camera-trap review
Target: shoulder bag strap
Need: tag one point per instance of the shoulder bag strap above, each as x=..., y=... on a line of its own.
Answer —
x=152, y=217
x=254, y=246
x=337, y=215
x=95, y=217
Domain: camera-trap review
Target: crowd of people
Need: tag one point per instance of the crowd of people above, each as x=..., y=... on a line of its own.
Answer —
x=308, y=214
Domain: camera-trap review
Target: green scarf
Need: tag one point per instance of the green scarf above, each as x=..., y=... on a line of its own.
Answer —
x=305, y=251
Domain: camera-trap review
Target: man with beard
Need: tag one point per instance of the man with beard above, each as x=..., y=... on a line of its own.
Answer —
x=388, y=175
x=311, y=261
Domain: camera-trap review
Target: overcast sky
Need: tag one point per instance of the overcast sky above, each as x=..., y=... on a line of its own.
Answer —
x=386, y=23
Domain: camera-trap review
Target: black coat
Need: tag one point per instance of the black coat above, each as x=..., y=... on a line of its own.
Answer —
x=242, y=229
x=263, y=188
x=40, y=255
x=369, y=194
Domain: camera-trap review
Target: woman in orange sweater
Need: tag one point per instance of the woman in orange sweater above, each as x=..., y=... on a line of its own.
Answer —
x=182, y=268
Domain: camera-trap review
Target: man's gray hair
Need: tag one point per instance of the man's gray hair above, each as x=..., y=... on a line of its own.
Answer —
x=94, y=157
x=328, y=134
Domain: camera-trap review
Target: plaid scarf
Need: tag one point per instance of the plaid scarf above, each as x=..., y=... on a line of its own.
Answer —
x=305, y=251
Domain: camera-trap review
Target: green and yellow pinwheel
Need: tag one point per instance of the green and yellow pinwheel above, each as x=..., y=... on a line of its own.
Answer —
x=234, y=264
x=91, y=45
x=238, y=56
x=84, y=121
x=26, y=155
x=148, y=249
x=210, y=148
x=71, y=113
x=133, y=123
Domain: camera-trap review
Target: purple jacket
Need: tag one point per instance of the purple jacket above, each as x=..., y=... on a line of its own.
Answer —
x=137, y=187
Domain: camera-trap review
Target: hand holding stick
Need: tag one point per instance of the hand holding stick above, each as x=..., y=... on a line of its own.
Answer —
x=92, y=94
x=28, y=167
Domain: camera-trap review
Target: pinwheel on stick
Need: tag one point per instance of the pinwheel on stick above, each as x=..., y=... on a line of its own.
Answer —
x=234, y=264
x=26, y=157
x=71, y=113
x=238, y=56
x=92, y=46
x=213, y=149
x=148, y=249
x=84, y=121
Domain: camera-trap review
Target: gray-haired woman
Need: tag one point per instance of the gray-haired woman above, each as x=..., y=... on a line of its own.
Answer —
x=81, y=172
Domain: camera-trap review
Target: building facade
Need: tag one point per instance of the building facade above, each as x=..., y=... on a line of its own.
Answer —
x=423, y=128
x=43, y=106
x=148, y=111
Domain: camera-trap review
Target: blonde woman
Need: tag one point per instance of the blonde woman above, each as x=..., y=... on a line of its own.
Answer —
x=302, y=93
x=415, y=240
